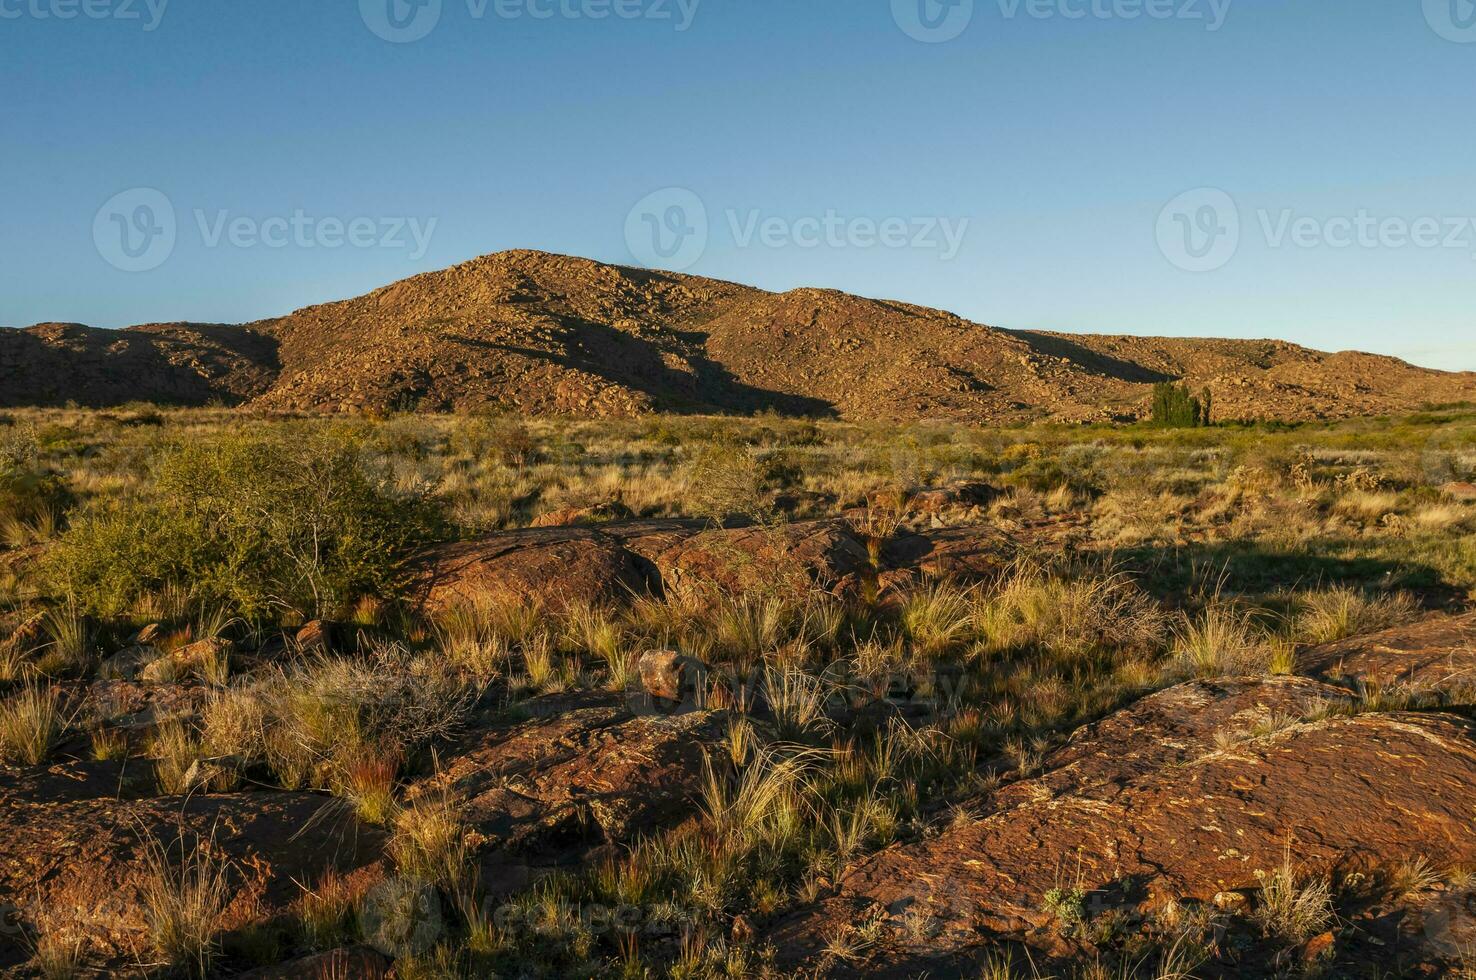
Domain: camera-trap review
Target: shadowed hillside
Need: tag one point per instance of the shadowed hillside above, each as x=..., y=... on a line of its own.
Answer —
x=542, y=334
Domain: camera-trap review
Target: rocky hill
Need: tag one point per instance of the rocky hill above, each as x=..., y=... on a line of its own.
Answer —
x=52, y=364
x=542, y=334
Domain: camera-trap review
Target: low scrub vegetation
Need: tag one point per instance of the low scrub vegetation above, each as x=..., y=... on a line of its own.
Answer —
x=1138, y=557
x=247, y=523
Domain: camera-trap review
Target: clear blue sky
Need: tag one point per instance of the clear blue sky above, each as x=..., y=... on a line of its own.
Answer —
x=1059, y=139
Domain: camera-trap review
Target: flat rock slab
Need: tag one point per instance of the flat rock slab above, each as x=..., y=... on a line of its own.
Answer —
x=1171, y=728
x=75, y=781
x=788, y=559
x=78, y=866
x=554, y=567
x=1344, y=793
x=583, y=772
x=1439, y=652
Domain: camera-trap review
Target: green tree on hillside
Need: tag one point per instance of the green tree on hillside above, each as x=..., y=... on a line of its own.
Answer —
x=1175, y=408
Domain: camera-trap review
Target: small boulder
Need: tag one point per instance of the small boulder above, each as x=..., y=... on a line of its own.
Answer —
x=958, y=494
x=671, y=676
x=1231, y=901
x=316, y=635
x=149, y=636
x=28, y=635
x=129, y=664
x=582, y=771
x=194, y=660
x=551, y=567
x=789, y=559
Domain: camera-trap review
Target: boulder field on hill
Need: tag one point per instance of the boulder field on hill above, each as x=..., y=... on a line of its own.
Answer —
x=539, y=334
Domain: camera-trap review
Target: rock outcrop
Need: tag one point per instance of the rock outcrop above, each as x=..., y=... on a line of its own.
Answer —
x=1343, y=794
x=585, y=772
x=76, y=864
x=1434, y=653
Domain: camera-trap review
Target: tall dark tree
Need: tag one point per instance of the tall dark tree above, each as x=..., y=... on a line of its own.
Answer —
x=1175, y=408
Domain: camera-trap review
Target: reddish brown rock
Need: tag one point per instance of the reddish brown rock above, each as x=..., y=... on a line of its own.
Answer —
x=81, y=865
x=72, y=781
x=554, y=567
x=672, y=676
x=583, y=772
x=1439, y=652
x=135, y=706
x=963, y=554
x=149, y=636
x=575, y=516
x=936, y=500
x=128, y=664
x=1171, y=728
x=789, y=559
x=1439, y=929
x=1344, y=794
x=316, y=635
x=27, y=636
x=192, y=660
x=1460, y=492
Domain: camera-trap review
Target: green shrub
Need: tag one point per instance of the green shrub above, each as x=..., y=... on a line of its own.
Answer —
x=247, y=524
x=29, y=490
x=1175, y=408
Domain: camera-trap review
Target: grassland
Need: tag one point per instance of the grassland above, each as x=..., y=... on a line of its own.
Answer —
x=1172, y=554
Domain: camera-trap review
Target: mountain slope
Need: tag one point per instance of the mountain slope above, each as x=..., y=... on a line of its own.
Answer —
x=178, y=363
x=543, y=334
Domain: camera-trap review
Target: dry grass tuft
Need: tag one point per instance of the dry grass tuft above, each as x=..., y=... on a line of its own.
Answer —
x=1225, y=640
x=30, y=725
x=1340, y=612
x=1292, y=908
x=183, y=904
